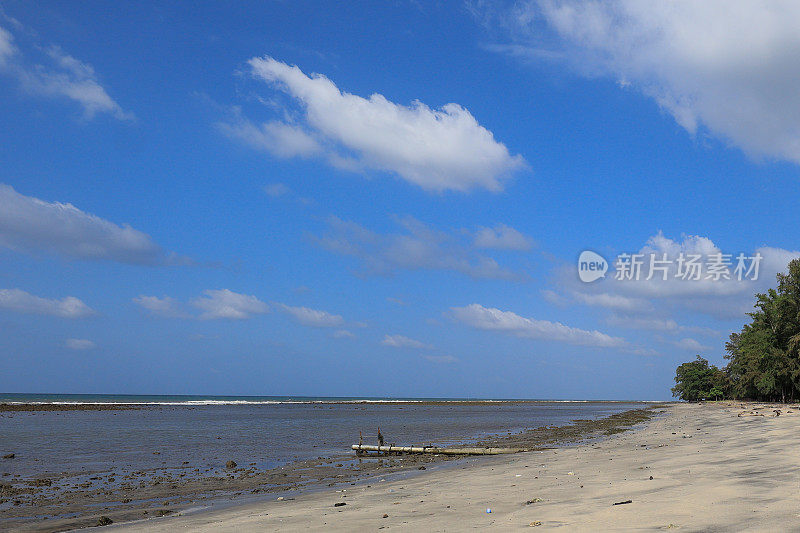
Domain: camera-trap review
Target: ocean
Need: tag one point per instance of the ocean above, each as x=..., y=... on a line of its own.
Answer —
x=269, y=431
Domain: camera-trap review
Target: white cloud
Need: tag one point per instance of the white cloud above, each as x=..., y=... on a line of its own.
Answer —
x=281, y=190
x=726, y=66
x=23, y=302
x=164, y=306
x=282, y=140
x=665, y=325
x=7, y=48
x=419, y=247
x=30, y=224
x=555, y=298
x=79, y=344
x=436, y=149
x=492, y=319
x=224, y=303
x=343, y=334
x=62, y=76
x=313, y=317
x=502, y=237
x=401, y=341
x=691, y=345
x=724, y=298
x=612, y=301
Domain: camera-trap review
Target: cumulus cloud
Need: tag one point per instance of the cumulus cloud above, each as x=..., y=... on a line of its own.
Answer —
x=418, y=247
x=720, y=298
x=23, y=302
x=343, y=334
x=723, y=66
x=435, y=149
x=502, y=237
x=281, y=140
x=79, y=344
x=665, y=325
x=59, y=76
x=691, y=345
x=224, y=303
x=164, y=306
x=313, y=317
x=401, y=341
x=612, y=301
x=491, y=319
x=30, y=224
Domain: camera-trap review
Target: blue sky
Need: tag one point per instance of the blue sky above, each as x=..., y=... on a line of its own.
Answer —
x=384, y=200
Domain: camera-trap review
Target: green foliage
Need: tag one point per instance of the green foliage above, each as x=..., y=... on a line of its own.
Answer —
x=763, y=359
x=697, y=380
x=765, y=356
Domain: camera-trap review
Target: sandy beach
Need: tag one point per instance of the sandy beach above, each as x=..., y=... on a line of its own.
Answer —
x=694, y=468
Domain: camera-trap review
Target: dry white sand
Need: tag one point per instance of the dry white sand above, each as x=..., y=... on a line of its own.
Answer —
x=711, y=471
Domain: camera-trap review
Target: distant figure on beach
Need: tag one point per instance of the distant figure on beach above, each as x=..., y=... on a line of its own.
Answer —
x=380, y=437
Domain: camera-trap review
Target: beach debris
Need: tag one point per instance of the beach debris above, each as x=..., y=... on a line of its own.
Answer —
x=8, y=456
x=488, y=511
x=535, y=523
x=230, y=464
x=385, y=515
x=651, y=478
x=570, y=473
x=421, y=468
x=623, y=503
x=280, y=498
x=535, y=500
x=339, y=504
x=104, y=521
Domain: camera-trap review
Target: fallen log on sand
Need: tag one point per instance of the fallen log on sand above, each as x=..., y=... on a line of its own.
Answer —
x=363, y=448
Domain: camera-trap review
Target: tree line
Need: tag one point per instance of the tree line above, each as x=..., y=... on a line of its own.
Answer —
x=763, y=358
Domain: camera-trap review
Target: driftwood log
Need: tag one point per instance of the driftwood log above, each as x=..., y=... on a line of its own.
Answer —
x=364, y=448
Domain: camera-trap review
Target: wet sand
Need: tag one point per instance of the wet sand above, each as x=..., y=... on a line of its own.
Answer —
x=711, y=467
x=56, y=502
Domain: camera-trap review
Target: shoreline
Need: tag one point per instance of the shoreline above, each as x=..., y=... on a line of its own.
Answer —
x=698, y=467
x=143, y=494
x=32, y=406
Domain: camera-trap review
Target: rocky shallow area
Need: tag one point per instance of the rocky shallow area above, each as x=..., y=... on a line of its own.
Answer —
x=65, y=500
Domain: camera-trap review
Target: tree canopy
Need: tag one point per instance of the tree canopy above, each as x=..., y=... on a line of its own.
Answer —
x=763, y=359
x=696, y=380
